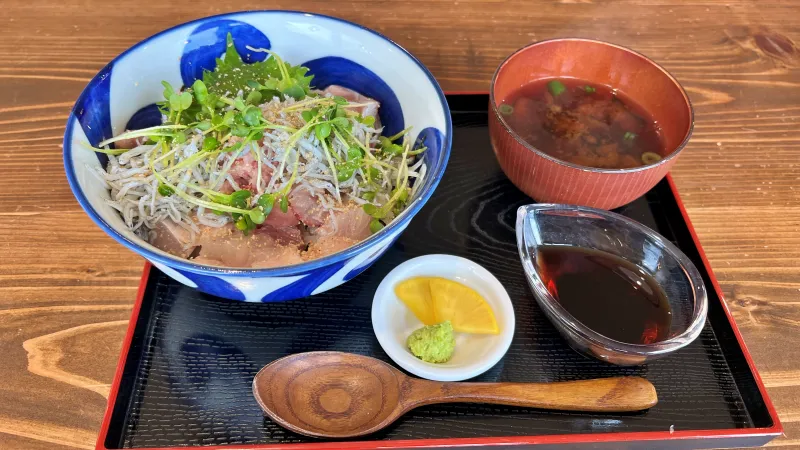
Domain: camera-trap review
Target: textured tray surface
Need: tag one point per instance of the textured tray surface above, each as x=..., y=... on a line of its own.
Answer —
x=187, y=379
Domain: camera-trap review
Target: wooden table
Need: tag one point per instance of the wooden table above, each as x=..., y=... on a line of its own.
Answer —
x=66, y=289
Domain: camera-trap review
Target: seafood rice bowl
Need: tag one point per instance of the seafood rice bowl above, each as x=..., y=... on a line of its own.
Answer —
x=259, y=156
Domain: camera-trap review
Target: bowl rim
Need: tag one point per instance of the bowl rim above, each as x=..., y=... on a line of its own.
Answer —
x=557, y=312
x=295, y=269
x=410, y=363
x=671, y=156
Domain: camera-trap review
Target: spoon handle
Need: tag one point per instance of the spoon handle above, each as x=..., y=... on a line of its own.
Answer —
x=604, y=394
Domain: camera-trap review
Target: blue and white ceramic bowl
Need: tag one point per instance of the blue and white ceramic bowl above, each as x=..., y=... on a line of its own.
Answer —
x=123, y=95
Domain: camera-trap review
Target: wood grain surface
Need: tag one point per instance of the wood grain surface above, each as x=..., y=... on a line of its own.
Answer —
x=341, y=395
x=66, y=289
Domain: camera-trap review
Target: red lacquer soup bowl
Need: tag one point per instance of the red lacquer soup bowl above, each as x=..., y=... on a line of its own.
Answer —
x=551, y=180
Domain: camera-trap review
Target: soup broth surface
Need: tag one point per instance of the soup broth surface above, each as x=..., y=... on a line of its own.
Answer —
x=583, y=123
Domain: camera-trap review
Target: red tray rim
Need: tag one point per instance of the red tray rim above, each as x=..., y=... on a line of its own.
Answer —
x=775, y=430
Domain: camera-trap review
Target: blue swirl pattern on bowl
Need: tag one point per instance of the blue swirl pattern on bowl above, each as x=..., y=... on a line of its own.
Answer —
x=123, y=95
x=208, y=41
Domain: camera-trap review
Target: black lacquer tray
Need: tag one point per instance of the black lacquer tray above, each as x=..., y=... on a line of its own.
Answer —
x=185, y=373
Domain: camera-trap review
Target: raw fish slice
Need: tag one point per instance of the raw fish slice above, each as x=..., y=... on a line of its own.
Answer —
x=341, y=230
x=290, y=236
x=327, y=245
x=279, y=256
x=370, y=107
x=232, y=248
x=172, y=238
x=206, y=261
x=351, y=223
x=275, y=257
x=130, y=142
x=245, y=172
x=307, y=208
x=280, y=219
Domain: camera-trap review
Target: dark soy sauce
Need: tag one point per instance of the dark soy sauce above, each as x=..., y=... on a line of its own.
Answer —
x=608, y=294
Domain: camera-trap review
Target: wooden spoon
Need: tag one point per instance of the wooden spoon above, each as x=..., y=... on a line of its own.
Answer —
x=339, y=395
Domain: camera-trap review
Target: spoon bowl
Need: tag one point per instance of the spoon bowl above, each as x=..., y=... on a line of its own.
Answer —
x=329, y=394
x=341, y=395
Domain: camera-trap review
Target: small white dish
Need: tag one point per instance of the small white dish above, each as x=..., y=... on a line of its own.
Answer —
x=474, y=353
